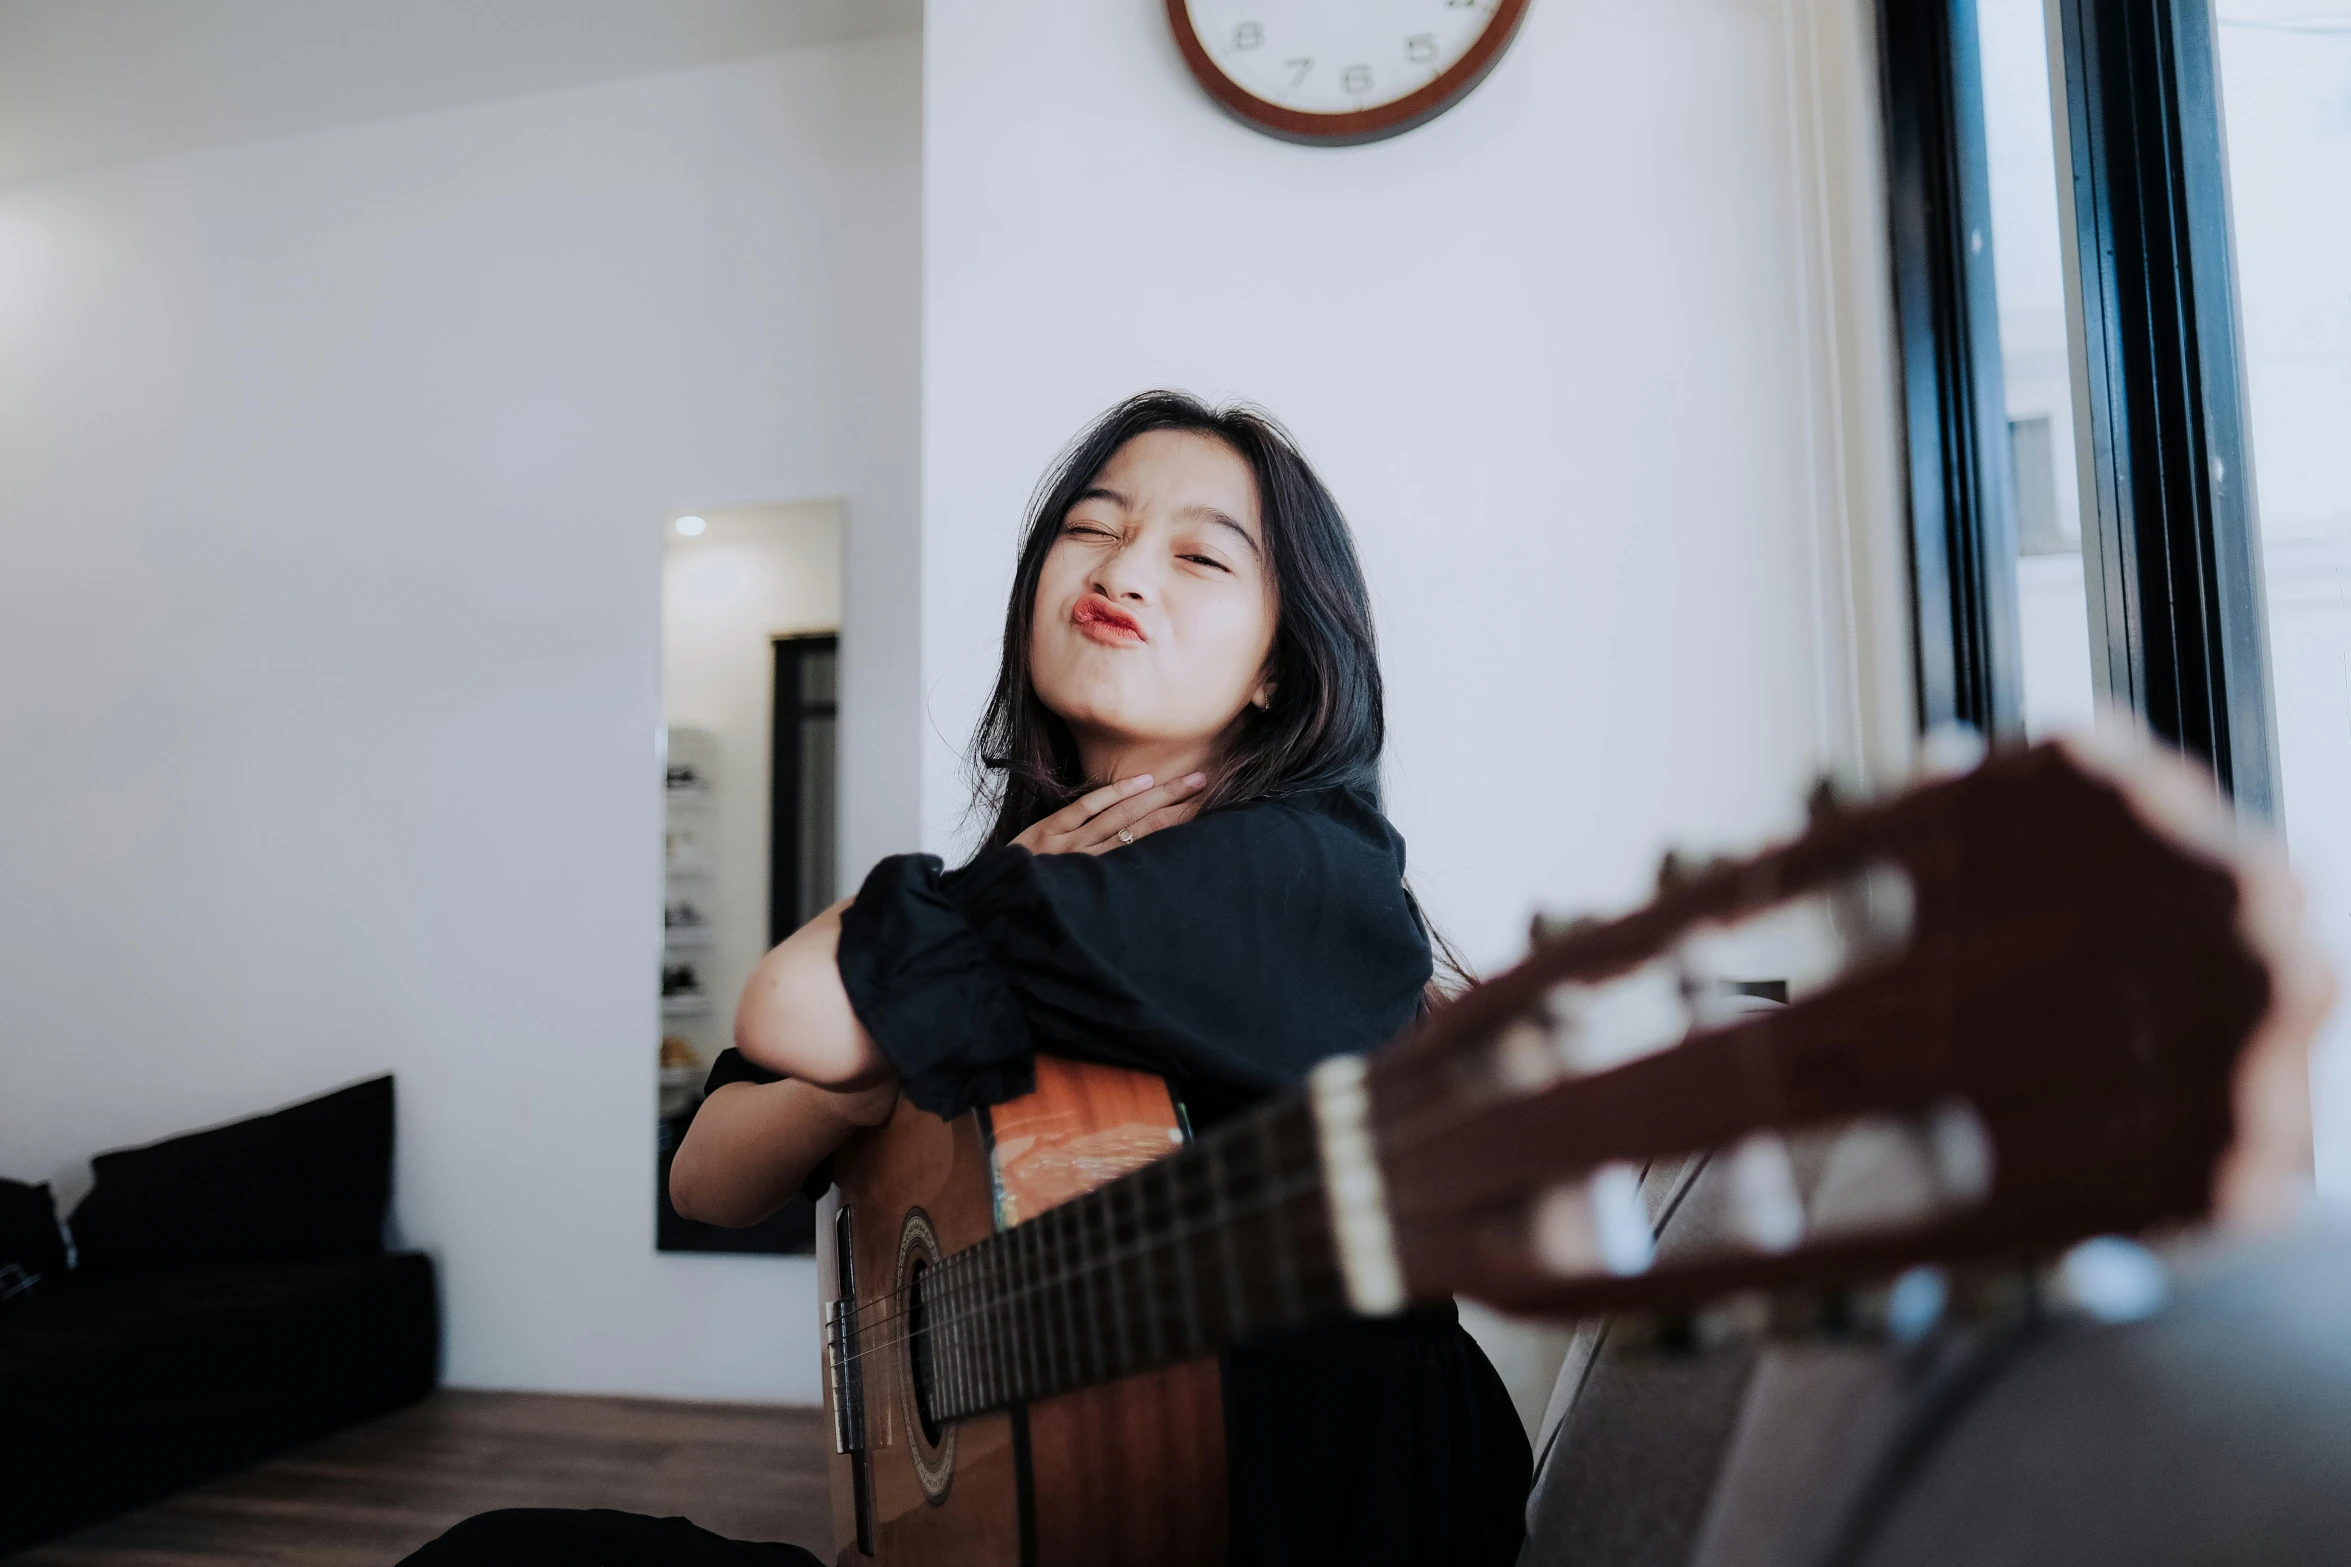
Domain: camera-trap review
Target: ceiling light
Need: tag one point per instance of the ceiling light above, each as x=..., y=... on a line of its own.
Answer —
x=691, y=527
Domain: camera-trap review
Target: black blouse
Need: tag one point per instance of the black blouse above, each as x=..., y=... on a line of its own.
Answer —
x=1229, y=955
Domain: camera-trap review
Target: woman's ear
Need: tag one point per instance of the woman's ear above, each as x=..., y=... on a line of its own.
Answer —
x=1262, y=697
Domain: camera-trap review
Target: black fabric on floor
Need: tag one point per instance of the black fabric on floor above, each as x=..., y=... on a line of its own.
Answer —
x=125, y=1384
x=550, y=1537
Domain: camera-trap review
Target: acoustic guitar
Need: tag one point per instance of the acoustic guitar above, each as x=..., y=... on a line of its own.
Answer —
x=2035, y=976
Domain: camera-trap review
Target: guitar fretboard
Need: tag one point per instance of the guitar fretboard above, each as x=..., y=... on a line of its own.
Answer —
x=1223, y=1241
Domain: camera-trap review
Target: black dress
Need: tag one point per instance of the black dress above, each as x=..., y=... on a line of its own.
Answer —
x=1229, y=955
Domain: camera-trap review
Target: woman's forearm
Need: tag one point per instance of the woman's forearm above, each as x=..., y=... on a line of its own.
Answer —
x=752, y=1145
x=795, y=1016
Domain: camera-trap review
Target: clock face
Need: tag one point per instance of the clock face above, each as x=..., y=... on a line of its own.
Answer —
x=1341, y=70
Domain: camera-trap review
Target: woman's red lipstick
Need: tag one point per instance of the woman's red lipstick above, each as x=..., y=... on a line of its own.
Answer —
x=1105, y=622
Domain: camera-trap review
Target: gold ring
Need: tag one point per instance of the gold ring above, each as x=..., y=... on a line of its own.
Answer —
x=1124, y=836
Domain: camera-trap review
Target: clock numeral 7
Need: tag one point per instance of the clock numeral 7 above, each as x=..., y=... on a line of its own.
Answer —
x=1303, y=66
x=1248, y=36
x=1357, y=78
x=1421, y=48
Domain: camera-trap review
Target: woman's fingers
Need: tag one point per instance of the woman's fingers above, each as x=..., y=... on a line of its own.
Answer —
x=1131, y=815
x=1046, y=835
x=1165, y=816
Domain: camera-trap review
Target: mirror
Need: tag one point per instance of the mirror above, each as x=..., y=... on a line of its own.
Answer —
x=750, y=649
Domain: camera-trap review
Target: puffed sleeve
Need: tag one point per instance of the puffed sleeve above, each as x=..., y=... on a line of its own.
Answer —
x=1241, y=947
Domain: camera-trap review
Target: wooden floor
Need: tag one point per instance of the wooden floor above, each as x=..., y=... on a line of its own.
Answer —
x=370, y=1495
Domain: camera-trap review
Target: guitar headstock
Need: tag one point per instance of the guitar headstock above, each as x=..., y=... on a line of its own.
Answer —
x=2045, y=983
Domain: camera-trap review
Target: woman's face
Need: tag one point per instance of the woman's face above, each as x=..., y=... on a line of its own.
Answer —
x=1155, y=612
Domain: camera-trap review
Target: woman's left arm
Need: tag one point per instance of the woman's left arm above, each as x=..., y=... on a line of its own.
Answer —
x=795, y=1017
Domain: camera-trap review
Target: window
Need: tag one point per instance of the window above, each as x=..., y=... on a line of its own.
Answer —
x=2120, y=487
x=2285, y=78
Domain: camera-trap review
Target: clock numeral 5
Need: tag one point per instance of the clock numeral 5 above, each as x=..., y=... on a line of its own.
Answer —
x=1302, y=67
x=1357, y=78
x=1248, y=36
x=1421, y=48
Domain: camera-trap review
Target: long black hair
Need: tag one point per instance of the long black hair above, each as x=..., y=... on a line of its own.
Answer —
x=1323, y=728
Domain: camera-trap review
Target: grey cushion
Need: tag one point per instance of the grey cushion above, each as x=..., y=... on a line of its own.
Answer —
x=2216, y=1432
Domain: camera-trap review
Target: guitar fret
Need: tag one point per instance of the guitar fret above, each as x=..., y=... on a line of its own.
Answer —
x=1042, y=1305
x=996, y=1345
x=1221, y=1223
x=943, y=1339
x=963, y=1333
x=1089, y=1267
x=1090, y=1282
x=1186, y=1283
x=1285, y=1264
x=1060, y=1316
x=1150, y=1288
x=1118, y=1280
x=1024, y=1325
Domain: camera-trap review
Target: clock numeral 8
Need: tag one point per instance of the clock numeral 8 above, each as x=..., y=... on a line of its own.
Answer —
x=1357, y=78
x=1248, y=36
x=1421, y=48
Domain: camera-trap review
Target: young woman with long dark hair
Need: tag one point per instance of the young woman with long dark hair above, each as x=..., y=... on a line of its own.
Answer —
x=1186, y=871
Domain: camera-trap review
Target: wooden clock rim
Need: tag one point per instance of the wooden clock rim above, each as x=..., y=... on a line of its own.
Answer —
x=1356, y=126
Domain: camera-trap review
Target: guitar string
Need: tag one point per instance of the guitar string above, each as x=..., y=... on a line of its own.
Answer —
x=1406, y=1137
x=1267, y=1199
x=1186, y=1160
x=1270, y=1199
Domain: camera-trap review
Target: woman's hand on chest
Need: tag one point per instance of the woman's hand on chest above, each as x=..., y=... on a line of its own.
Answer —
x=1115, y=815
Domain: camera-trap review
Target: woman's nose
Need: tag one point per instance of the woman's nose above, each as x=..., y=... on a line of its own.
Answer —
x=1124, y=577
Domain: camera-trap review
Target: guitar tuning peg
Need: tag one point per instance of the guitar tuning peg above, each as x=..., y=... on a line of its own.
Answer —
x=1822, y=803
x=1546, y=928
x=1673, y=871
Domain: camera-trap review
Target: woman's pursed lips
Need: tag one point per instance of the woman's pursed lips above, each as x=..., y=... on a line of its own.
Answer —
x=1106, y=622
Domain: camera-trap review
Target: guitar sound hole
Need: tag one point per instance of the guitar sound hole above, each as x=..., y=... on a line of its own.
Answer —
x=918, y=1350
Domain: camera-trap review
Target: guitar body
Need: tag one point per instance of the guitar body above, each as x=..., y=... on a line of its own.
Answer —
x=1129, y=1473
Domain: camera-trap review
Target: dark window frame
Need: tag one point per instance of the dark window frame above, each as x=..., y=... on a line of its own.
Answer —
x=787, y=738
x=1966, y=648
x=2170, y=538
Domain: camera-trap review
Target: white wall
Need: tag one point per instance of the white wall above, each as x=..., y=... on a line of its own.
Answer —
x=1568, y=357
x=331, y=476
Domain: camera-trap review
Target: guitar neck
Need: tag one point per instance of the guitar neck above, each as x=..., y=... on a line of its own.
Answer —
x=1224, y=1240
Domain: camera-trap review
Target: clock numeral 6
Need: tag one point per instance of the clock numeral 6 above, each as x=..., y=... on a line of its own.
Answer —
x=1302, y=67
x=1357, y=78
x=1421, y=48
x=1248, y=36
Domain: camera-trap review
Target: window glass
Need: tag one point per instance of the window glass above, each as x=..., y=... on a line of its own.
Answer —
x=2285, y=70
x=2028, y=267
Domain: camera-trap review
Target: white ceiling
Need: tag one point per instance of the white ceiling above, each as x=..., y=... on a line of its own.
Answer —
x=90, y=82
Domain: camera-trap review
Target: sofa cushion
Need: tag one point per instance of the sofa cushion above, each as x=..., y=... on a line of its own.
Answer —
x=127, y=1383
x=307, y=1183
x=32, y=1251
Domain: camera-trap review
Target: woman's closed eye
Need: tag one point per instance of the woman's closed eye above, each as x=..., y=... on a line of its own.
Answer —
x=1207, y=560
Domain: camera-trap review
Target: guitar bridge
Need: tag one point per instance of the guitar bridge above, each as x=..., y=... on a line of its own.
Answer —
x=847, y=1388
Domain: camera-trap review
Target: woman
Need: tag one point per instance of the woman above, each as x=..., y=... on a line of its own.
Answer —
x=1187, y=873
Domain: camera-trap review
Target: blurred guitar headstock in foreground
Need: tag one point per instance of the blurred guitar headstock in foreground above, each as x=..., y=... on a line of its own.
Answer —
x=2063, y=993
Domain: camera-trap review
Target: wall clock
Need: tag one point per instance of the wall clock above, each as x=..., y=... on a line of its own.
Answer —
x=1335, y=72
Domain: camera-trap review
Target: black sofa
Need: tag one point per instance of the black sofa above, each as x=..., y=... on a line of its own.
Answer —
x=230, y=1298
